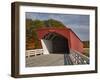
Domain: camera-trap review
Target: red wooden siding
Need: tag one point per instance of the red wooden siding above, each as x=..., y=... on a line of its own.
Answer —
x=74, y=42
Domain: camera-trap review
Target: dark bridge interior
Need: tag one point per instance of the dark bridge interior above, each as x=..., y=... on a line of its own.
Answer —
x=56, y=43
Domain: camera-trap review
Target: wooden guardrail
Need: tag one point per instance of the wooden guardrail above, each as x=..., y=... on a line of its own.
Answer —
x=34, y=52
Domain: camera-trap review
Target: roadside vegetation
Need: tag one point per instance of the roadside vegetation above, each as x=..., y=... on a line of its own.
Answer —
x=86, y=48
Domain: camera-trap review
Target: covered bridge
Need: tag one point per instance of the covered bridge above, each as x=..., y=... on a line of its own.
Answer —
x=59, y=40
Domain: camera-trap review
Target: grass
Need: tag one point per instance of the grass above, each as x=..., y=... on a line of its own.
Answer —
x=86, y=51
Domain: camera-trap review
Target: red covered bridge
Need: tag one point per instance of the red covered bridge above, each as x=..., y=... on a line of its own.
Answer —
x=58, y=43
x=59, y=40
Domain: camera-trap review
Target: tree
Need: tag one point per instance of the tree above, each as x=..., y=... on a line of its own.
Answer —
x=38, y=24
x=53, y=23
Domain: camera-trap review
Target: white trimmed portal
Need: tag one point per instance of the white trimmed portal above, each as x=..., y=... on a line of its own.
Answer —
x=54, y=43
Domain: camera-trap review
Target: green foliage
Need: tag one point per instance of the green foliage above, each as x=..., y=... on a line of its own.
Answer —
x=86, y=51
x=53, y=23
x=38, y=24
x=86, y=44
x=29, y=24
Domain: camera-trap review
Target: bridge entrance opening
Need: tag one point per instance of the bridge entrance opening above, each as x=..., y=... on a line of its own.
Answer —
x=55, y=43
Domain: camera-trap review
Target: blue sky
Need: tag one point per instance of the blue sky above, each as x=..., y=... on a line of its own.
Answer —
x=78, y=23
